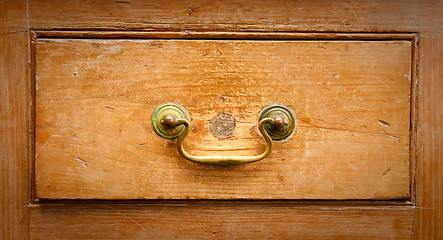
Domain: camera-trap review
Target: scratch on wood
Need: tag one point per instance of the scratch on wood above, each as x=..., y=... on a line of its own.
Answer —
x=156, y=44
x=408, y=76
x=349, y=130
x=132, y=220
x=316, y=169
x=109, y=108
x=81, y=161
x=190, y=11
x=384, y=123
x=386, y=172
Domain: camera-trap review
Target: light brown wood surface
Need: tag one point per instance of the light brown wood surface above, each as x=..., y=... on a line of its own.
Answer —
x=423, y=17
x=95, y=98
x=221, y=221
x=429, y=168
x=280, y=15
x=14, y=180
x=13, y=130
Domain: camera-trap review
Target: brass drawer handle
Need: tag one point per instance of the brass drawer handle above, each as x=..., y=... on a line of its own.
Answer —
x=172, y=121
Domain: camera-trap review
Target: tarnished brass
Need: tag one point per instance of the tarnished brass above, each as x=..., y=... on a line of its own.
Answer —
x=168, y=122
x=279, y=122
x=284, y=124
x=164, y=120
x=224, y=160
x=171, y=121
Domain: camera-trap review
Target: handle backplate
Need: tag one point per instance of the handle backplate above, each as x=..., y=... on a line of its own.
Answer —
x=164, y=128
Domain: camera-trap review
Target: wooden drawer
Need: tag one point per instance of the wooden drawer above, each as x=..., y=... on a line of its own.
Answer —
x=95, y=98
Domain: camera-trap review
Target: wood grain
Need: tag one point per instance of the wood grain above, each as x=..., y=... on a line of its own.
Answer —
x=14, y=180
x=14, y=185
x=429, y=175
x=13, y=17
x=351, y=99
x=261, y=15
x=423, y=17
x=220, y=221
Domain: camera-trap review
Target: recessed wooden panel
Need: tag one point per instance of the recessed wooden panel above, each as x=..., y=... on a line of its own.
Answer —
x=95, y=98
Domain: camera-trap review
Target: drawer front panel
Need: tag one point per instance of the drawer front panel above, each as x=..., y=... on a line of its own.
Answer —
x=95, y=98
